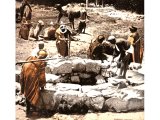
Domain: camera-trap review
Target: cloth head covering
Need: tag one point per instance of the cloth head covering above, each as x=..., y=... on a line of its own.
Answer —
x=42, y=54
x=101, y=38
x=41, y=22
x=110, y=38
x=63, y=28
x=133, y=29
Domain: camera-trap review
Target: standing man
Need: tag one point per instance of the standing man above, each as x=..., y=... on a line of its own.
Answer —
x=63, y=40
x=133, y=38
x=33, y=81
x=124, y=48
x=82, y=22
x=26, y=11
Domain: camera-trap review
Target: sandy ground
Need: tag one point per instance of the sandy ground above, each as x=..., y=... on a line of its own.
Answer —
x=106, y=20
x=20, y=115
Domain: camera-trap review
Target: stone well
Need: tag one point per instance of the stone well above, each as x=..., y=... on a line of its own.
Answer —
x=77, y=85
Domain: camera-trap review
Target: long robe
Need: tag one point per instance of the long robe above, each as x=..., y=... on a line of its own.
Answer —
x=26, y=11
x=32, y=79
x=61, y=43
x=133, y=37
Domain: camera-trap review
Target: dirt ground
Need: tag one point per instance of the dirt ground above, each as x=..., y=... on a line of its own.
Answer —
x=106, y=20
x=20, y=115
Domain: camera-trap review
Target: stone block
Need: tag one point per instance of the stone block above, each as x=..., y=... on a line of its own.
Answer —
x=95, y=103
x=135, y=104
x=110, y=92
x=135, y=66
x=85, y=75
x=78, y=65
x=47, y=100
x=139, y=87
x=51, y=78
x=93, y=66
x=87, y=88
x=70, y=102
x=132, y=93
x=121, y=85
x=100, y=87
x=116, y=105
x=134, y=78
x=50, y=87
x=115, y=81
x=75, y=79
x=50, y=65
x=69, y=93
x=67, y=86
x=93, y=93
x=62, y=67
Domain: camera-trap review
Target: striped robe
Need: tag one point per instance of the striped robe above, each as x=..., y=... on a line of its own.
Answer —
x=32, y=78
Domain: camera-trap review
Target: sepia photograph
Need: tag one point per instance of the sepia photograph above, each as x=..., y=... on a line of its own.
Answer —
x=79, y=60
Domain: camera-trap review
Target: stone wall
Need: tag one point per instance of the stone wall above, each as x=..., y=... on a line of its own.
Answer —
x=79, y=71
x=78, y=85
